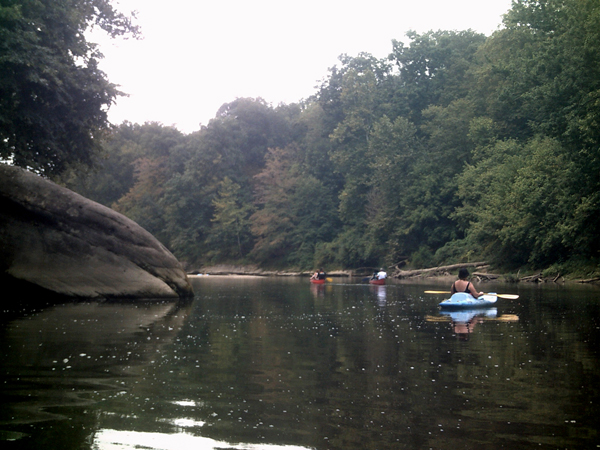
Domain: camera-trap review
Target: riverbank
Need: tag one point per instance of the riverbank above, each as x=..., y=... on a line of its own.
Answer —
x=225, y=269
x=480, y=272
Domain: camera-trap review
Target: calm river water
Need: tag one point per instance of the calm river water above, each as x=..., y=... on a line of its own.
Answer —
x=279, y=364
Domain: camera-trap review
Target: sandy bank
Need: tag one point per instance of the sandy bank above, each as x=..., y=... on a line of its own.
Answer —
x=258, y=272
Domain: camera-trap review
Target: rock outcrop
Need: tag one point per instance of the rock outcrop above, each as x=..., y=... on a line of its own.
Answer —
x=55, y=239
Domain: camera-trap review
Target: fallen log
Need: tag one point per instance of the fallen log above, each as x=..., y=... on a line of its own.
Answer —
x=556, y=278
x=537, y=278
x=433, y=270
x=486, y=276
x=589, y=280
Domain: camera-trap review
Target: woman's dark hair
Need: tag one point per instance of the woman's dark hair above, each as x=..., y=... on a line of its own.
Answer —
x=463, y=274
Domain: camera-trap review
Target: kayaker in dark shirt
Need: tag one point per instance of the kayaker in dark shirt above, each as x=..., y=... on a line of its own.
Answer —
x=462, y=285
x=319, y=275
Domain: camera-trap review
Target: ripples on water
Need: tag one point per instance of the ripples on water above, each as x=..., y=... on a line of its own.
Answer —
x=256, y=363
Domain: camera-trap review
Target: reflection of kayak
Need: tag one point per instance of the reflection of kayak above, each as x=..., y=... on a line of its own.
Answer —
x=467, y=314
x=377, y=282
x=313, y=281
x=464, y=300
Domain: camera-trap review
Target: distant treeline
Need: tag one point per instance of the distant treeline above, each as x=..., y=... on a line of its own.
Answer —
x=456, y=147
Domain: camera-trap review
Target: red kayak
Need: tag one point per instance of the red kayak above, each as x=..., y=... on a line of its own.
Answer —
x=313, y=281
x=377, y=282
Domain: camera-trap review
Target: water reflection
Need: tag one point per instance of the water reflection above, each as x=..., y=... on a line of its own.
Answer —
x=65, y=354
x=463, y=321
x=318, y=290
x=380, y=292
x=122, y=440
x=281, y=364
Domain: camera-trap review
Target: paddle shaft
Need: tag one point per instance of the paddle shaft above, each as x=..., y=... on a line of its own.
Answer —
x=508, y=296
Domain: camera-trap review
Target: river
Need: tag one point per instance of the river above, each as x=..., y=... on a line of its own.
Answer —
x=279, y=364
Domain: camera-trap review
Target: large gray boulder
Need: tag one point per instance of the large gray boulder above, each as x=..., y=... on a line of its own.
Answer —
x=55, y=239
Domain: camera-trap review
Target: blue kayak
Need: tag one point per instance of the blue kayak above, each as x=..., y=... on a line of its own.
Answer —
x=464, y=300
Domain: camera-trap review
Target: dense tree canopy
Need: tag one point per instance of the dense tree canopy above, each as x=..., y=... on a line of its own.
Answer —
x=53, y=97
x=457, y=146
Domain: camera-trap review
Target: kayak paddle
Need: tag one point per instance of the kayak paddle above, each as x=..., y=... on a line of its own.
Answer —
x=508, y=296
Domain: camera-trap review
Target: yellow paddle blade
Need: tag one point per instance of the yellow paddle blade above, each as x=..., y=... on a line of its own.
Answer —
x=437, y=292
x=509, y=296
x=508, y=318
x=437, y=318
x=329, y=280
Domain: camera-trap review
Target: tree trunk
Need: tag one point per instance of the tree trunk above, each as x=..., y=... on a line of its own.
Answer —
x=433, y=270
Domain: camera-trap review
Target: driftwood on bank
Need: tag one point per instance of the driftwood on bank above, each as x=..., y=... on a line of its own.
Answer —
x=537, y=278
x=590, y=280
x=486, y=276
x=432, y=271
x=555, y=279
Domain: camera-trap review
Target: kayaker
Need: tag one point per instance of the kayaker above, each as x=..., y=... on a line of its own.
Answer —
x=382, y=274
x=462, y=285
x=319, y=275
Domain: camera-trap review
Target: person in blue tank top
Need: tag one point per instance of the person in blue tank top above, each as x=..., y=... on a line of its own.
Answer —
x=463, y=285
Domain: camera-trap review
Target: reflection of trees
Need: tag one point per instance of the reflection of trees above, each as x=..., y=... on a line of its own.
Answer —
x=268, y=362
x=334, y=366
x=67, y=356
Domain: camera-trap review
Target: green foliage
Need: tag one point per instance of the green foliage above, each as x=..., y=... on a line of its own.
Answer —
x=539, y=82
x=350, y=154
x=53, y=97
x=233, y=145
x=294, y=213
x=457, y=147
x=348, y=249
x=423, y=257
x=394, y=146
x=435, y=67
x=142, y=202
x=524, y=197
x=112, y=175
x=230, y=237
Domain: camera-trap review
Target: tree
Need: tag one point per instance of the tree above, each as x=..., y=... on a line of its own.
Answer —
x=53, y=97
x=113, y=173
x=352, y=136
x=394, y=147
x=429, y=203
x=539, y=78
x=273, y=222
x=519, y=200
x=363, y=97
x=232, y=145
x=230, y=234
x=435, y=67
x=132, y=179
x=295, y=211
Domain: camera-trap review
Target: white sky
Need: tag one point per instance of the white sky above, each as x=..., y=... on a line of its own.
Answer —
x=197, y=54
